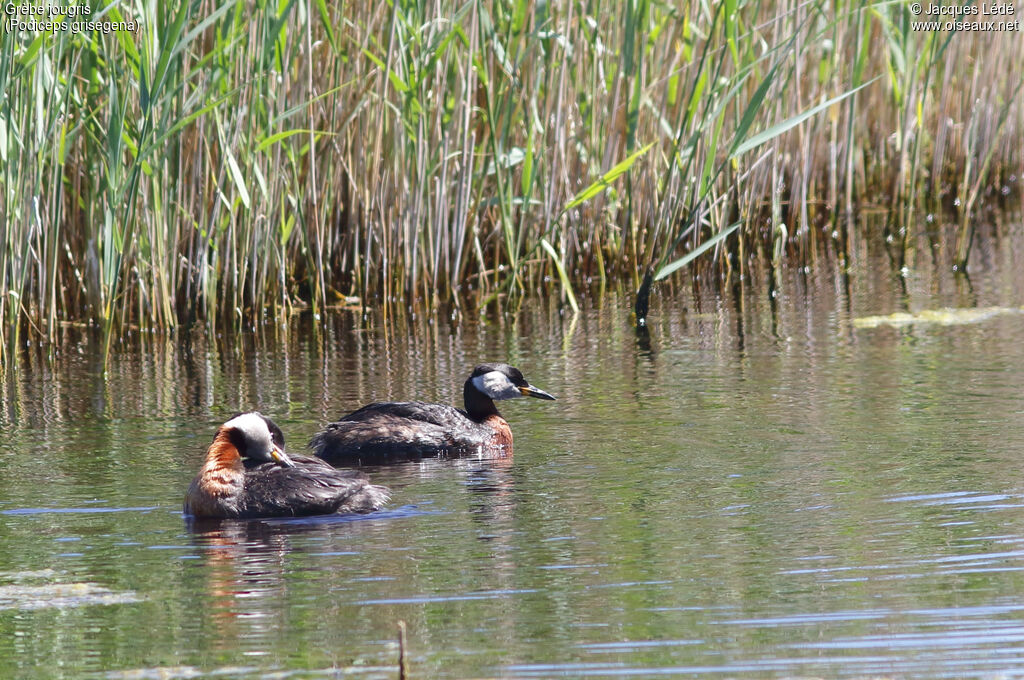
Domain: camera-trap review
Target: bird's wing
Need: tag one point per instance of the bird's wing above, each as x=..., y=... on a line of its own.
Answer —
x=312, y=487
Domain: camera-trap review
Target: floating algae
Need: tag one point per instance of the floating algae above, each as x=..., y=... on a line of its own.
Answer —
x=248, y=672
x=59, y=595
x=182, y=673
x=943, y=317
x=160, y=673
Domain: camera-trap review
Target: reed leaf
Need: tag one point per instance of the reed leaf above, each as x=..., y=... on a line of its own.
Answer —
x=605, y=180
x=790, y=123
x=562, y=276
x=668, y=269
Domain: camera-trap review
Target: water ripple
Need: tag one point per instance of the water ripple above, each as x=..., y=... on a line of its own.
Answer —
x=426, y=599
x=72, y=511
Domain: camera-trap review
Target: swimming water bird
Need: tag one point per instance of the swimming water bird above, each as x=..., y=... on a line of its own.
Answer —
x=387, y=432
x=247, y=474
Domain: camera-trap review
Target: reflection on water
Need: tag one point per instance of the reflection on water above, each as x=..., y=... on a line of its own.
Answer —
x=755, y=488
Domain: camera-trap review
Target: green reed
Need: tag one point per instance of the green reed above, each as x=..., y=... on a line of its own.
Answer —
x=231, y=161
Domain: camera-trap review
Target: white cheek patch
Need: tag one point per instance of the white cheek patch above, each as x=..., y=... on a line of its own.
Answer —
x=252, y=425
x=496, y=385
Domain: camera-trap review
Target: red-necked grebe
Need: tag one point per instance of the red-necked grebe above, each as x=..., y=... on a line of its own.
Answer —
x=387, y=432
x=247, y=474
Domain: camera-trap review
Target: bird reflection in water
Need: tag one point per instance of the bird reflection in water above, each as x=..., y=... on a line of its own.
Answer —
x=244, y=568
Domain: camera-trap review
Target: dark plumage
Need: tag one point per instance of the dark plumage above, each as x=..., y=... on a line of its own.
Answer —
x=247, y=474
x=386, y=432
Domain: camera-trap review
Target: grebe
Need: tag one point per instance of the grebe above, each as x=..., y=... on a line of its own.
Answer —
x=387, y=432
x=247, y=474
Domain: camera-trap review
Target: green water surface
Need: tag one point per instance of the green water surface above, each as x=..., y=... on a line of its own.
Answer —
x=760, y=488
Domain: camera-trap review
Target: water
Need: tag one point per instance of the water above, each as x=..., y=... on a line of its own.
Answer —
x=759, y=489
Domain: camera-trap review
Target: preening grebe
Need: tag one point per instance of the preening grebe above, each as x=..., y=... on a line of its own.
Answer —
x=248, y=474
x=387, y=432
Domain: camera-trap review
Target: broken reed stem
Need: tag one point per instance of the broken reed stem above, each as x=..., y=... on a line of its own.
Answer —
x=402, y=669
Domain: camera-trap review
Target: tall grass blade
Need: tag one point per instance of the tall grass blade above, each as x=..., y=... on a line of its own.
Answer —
x=563, y=277
x=790, y=123
x=668, y=269
x=605, y=181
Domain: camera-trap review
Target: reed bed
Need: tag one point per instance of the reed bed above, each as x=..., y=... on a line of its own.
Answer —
x=233, y=161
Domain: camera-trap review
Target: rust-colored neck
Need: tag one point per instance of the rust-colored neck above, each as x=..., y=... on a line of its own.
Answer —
x=222, y=456
x=215, y=490
x=502, y=432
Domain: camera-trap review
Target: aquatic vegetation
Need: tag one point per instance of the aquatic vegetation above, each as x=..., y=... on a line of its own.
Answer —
x=233, y=161
x=55, y=595
x=941, y=317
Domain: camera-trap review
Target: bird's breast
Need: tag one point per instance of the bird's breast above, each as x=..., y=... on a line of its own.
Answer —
x=502, y=432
